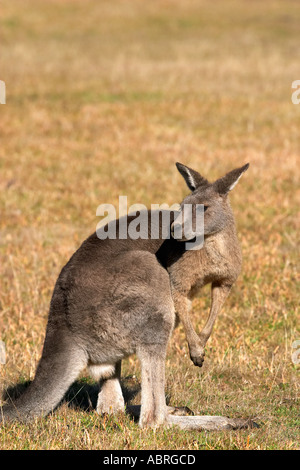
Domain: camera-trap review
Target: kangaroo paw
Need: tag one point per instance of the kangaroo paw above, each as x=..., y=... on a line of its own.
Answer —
x=197, y=357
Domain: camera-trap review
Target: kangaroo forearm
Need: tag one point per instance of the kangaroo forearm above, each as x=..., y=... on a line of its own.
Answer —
x=219, y=293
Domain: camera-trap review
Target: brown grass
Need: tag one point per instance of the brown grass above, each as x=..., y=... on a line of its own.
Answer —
x=102, y=99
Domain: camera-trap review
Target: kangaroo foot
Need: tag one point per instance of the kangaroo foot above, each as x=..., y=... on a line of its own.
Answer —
x=210, y=423
x=113, y=405
x=110, y=399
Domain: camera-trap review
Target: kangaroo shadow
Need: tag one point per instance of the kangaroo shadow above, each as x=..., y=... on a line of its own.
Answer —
x=82, y=395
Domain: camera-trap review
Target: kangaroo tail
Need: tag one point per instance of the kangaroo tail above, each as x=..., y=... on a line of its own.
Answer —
x=61, y=362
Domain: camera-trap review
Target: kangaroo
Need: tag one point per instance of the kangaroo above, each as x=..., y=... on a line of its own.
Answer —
x=116, y=297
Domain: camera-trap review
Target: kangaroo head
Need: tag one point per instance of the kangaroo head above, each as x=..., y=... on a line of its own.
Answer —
x=213, y=196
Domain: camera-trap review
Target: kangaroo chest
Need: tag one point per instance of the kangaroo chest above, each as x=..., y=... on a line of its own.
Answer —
x=197, y=268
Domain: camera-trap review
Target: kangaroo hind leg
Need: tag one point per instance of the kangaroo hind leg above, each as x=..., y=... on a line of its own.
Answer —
x=153, y=402
x=110, y=397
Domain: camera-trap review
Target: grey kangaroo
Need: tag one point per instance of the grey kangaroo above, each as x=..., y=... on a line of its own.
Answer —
x=116, y=297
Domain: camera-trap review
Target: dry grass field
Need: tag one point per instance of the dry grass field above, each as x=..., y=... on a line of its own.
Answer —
x=102, y=99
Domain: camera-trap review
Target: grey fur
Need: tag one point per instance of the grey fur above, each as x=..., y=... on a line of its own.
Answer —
x=117, y=297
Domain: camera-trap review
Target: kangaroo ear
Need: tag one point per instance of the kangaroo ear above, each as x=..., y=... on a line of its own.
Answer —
x=192, y=178
x=228, y=182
